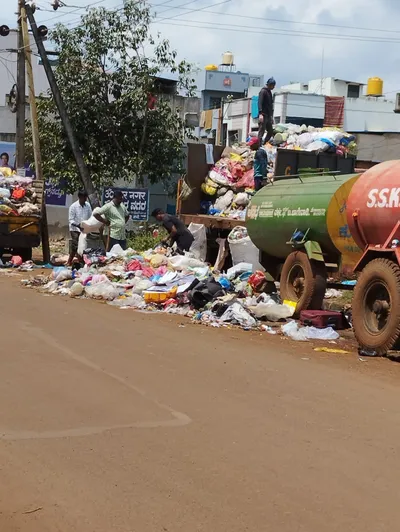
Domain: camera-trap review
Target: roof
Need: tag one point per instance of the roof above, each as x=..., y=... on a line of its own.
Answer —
x=350, y=82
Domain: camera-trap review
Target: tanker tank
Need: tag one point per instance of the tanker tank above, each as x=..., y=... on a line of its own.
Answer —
x=373, y=205
x=315, y=205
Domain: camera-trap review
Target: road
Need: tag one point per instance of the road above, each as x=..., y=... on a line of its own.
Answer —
x=122, y=421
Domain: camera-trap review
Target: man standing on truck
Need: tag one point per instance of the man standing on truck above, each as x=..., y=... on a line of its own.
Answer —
x=114, y=215
x=178, y=232
x=266, y=111
x=260, y=163
x=79, y=212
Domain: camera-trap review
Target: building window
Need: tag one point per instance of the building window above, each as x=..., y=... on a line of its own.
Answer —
x=256, y=82
x=215, y=103
x=353, y=91
x=7, y=137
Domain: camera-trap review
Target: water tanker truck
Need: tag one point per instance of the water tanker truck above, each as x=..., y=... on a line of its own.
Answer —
x=300, y=226
x=374, y=222
x=350, y=223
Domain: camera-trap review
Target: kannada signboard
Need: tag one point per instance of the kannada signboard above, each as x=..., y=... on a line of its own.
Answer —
x=137, y=201
x=55, y=194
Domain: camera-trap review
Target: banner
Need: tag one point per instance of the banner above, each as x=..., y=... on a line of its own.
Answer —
x=136, y=200
x=55, y=194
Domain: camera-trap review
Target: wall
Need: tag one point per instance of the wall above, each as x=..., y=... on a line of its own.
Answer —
x=328, y=87
x=370, y=114
x=378, y=148
x=226, y=82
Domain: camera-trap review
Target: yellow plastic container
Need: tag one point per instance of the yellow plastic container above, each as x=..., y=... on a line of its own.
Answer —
x=375, y=87
x=159, y=297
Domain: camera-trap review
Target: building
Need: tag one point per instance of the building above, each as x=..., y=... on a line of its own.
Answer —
x=223, y=84
x=356, y=107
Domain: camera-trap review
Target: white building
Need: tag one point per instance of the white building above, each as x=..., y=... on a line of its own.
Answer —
x=307, y=103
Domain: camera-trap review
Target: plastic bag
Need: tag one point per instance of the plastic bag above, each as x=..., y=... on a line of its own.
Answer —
x=243, y=249
x=61, y=274
x=242, y=267
x=141, y=285
x=92, y=225
x=104, y=290
x=76, y=290
x=133, y=301
x=82, y=243
x=236, y=314
x=241, y=199
x=4, y=193
x=292, y=330
x=158, y=260
x=182, y=262
x=199, y=246
x=225, y=201
x=272, y=311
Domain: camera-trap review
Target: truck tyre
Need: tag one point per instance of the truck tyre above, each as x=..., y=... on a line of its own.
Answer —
x=303, y=281
x=376, y=306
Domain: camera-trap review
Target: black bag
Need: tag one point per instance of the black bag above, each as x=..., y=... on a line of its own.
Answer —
x=205, y=292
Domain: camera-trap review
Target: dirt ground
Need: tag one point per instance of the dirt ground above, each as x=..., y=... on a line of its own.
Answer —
x=116, y=420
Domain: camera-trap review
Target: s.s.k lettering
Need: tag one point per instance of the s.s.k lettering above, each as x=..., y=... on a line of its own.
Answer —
x=384, y=198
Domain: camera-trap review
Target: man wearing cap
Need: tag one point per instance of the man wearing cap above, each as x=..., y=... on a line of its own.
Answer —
x=266, y=111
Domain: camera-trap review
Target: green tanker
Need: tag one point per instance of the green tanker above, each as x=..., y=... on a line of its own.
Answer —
x=300, y=226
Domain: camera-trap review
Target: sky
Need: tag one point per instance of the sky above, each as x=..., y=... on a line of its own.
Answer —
x=292, y=40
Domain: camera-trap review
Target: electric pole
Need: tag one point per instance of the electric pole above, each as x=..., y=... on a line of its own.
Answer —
x=80, y=163
x=20, y=115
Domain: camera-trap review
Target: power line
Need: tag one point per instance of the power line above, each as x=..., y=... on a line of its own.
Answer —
x=71, y=12
x=193, y=10
x=273, y=31
x=305, y=23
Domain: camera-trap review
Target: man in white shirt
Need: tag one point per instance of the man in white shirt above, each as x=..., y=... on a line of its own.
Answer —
x=79, y=212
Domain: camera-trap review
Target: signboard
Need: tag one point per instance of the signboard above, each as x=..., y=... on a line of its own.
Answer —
x=137, y=201
x=55, y=194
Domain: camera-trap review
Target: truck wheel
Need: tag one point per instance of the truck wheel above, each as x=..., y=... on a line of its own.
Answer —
x=376, y=306
x=303, y=281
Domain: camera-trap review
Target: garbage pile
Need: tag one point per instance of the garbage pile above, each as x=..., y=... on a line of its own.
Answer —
x=230, y=184
x=159, y=280
x=17, y=195
x=309, y=138
x=177, y=284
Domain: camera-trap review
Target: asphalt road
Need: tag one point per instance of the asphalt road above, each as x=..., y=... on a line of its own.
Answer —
x=122, y=421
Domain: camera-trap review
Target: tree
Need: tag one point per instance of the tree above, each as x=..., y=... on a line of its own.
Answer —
x=108, y=73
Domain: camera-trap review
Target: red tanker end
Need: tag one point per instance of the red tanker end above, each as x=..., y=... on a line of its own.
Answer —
x=373, y=206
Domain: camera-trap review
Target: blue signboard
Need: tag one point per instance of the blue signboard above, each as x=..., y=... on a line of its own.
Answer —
x=137, y=201
x=55, y=194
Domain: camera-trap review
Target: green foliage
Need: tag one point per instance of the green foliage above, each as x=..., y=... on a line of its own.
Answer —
x=106, y=79
x=142, y=241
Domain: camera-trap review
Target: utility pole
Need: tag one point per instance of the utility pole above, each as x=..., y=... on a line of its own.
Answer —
x=82, y=168
x=35, y=127
x=20, y=118
x=32, y=95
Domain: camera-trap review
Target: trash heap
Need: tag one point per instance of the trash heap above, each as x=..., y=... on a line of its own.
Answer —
x=310, y=139
x=229, y=185
x=159, y=280
x=17, y=195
